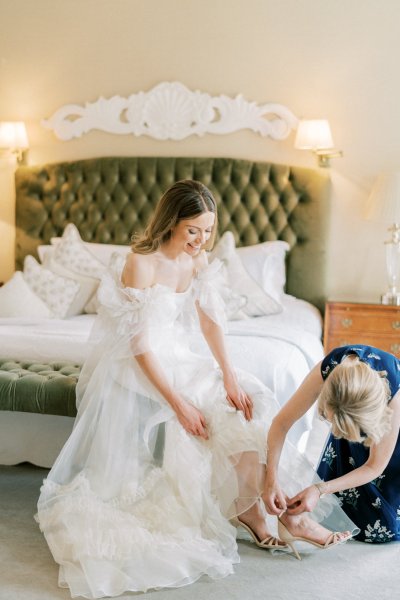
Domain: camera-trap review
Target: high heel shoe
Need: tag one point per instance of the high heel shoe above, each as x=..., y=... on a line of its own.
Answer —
x=288, y=538
x=269, y=543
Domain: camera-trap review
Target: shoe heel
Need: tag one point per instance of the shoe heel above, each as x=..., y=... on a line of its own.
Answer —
x=293, y=549
x=286, y=536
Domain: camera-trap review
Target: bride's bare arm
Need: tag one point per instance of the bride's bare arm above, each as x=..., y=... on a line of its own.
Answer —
x=189, y=416
x=139, y=274
x=215, y=339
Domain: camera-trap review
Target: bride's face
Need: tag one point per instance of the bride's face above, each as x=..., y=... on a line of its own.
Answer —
x=191, y=234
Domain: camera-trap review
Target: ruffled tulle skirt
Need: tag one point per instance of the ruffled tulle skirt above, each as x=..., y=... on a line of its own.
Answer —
x=134, y=502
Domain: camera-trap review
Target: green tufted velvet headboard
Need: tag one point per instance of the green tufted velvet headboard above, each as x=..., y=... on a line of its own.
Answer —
x=110, y=198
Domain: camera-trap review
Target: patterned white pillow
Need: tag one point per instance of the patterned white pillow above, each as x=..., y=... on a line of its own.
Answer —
x=116, y=264
x=87, y=285
x=240, y=282
x=102, y=252
x=72, y=254
x=44, y=251
x=18, y=300
x=57, y=292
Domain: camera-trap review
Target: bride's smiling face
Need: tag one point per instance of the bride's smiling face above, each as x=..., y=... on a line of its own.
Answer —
x=191, y=234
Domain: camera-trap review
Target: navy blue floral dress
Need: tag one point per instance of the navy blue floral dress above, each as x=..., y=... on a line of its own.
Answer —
x=375, y=506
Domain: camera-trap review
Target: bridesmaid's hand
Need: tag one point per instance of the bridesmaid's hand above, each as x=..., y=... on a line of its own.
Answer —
x=304, y=501
x=191, y=419
x=273, y=497
x=238, y=397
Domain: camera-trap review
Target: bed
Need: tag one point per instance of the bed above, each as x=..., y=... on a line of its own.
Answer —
x=273, y=223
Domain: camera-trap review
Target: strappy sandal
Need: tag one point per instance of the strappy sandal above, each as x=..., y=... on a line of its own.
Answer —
x=269, y=543
x=288, y=538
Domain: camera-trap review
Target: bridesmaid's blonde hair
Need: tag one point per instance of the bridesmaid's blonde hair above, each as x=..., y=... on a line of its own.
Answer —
x=355, y=398
x=186, y=199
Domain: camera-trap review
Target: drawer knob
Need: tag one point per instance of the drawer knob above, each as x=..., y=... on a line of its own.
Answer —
x=396, y=324
x=347, y=322
x=395, y=348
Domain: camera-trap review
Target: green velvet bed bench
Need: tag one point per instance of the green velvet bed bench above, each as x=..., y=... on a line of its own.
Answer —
x=38, y=388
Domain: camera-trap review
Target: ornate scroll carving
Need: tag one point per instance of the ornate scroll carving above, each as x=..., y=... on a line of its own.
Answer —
x=170, y=111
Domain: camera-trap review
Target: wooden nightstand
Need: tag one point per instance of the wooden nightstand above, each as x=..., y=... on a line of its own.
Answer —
x=355, y=323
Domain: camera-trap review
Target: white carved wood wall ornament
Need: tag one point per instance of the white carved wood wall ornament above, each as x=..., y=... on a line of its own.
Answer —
x=170, y=111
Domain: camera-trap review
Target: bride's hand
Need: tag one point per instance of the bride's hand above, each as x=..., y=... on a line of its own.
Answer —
x=191, y=419
x=237, y=397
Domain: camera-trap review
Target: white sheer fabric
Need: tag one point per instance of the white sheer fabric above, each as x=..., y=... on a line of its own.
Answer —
x=134, y=502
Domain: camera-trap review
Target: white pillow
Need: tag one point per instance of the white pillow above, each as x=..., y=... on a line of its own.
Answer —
x=72, y=254
x=58, y=293
x=102, y=252
x=116, y=263
x=240, y=282
x=18, y=300
x=91, y=307
x=44, y=250
x=234, y=302
x=87, y=285
x=265, y=262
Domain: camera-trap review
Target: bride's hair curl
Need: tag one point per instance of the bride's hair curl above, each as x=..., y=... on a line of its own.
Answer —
x=185, y=199
x=354, y=397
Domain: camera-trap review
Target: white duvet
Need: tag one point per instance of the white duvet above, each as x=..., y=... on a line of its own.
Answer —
x=279, y=349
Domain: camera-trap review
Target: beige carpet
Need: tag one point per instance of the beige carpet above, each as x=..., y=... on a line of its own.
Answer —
x=349, y=572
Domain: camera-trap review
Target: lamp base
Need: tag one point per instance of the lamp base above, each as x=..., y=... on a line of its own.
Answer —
x=392, y=298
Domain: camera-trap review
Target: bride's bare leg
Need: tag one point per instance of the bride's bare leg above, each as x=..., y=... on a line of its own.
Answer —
x=250, y=475
x=255, y=520
x=304, y=526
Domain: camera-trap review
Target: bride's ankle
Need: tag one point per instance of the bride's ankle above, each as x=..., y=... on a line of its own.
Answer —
x=253, y=511
x=290, y=519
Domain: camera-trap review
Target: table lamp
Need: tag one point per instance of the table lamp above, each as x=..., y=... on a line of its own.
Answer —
x=384, y=206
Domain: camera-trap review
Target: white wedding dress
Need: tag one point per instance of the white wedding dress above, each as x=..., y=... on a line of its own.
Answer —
x=133, y=501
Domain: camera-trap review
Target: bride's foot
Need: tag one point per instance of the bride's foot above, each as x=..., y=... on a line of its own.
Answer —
x=253, y=521
x=304, y=527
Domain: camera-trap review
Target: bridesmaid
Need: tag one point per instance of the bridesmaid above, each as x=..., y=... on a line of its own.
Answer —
x=356, y=389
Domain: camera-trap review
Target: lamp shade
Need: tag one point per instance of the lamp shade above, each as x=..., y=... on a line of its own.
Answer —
x=383, y=204
x=13, y=135
x=313, y=134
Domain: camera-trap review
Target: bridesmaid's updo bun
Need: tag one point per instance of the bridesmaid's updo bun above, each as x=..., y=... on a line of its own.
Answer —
x=354, y=398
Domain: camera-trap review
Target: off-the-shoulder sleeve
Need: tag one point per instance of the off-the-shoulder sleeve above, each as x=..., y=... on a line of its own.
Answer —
x=205, y=284
x=128, y=312
x=123, y=328
x=126, y=306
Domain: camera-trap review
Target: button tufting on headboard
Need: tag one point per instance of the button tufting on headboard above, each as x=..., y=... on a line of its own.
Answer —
x=108, y=199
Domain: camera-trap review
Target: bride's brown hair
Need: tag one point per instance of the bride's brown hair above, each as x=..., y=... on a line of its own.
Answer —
x=186, y=199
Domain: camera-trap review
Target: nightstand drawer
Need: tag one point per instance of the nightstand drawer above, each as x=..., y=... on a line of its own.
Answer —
x=348, y=323
x=342, y=319
x=388, y=343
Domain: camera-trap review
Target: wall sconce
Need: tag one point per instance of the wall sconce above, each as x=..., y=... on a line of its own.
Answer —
x=315, y=135
x=13, y=137
x=383, y=206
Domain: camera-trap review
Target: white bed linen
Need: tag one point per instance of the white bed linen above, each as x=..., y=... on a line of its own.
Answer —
x=46, y=339
x=279, y=349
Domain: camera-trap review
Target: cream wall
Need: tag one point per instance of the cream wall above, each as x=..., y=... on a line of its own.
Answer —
x=321, y=59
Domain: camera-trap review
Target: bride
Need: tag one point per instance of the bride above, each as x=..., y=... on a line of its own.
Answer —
x=168, y=448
